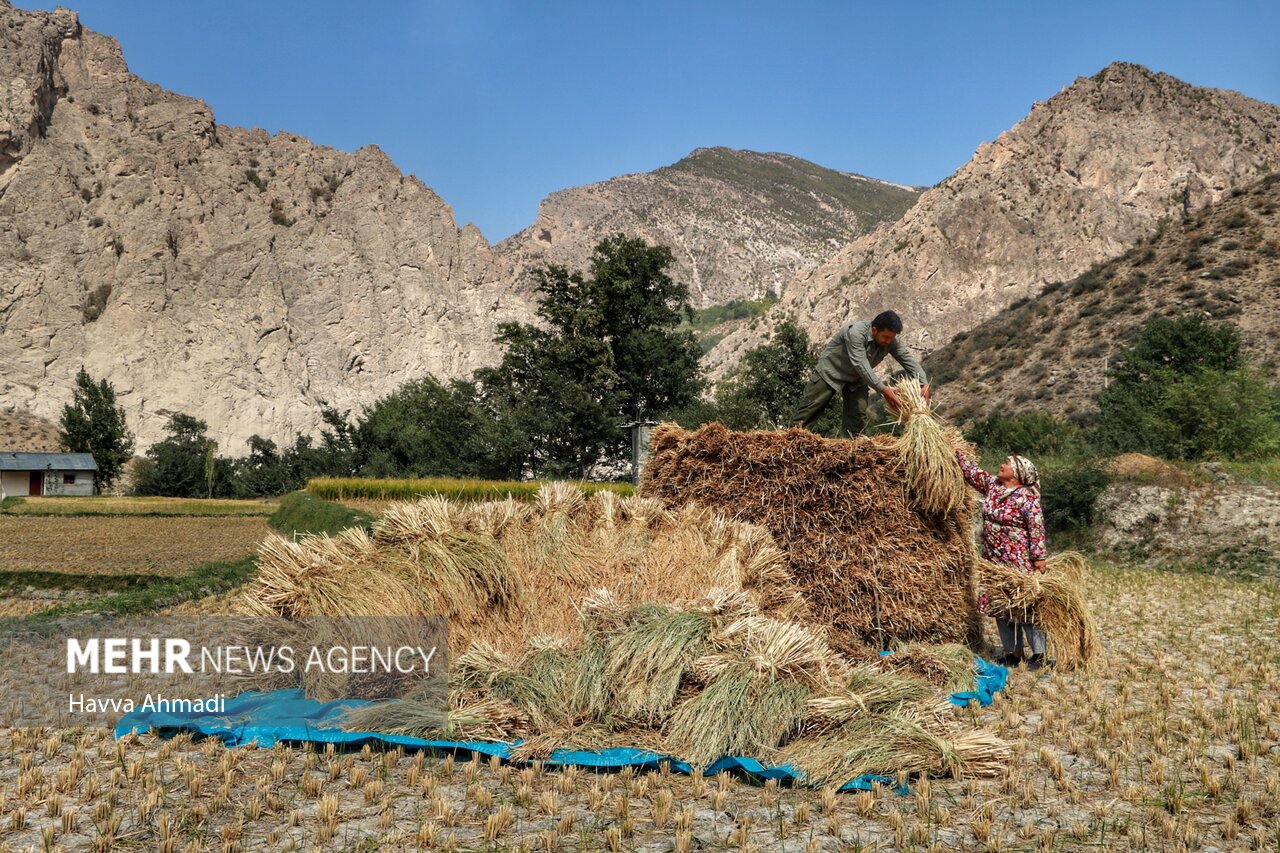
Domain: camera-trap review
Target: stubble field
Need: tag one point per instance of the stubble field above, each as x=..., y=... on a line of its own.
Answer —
x=1172, y=744
x=120, y=545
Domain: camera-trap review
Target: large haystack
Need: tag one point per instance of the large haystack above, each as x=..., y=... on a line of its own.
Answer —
x=593, y=622
x=867, y=559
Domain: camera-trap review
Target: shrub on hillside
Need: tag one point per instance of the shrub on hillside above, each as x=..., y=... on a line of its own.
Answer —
x=1184, y=391
x=1027, y=434
x=1070, y=495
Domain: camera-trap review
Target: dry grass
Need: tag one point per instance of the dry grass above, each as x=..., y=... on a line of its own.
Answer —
x=109, y=505
x=506, y=571
x=15, y=605
x=1054, y=600
x=869, y=562
x=123, y=545
x=1171, y=743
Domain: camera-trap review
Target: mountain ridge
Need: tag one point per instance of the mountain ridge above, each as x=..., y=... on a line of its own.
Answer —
x=1052, y=351
x=243, y=277
x=1078, y=180
x=740, y=223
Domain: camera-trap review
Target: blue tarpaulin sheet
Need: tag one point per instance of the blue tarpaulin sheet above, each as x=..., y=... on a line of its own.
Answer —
x=287, y=715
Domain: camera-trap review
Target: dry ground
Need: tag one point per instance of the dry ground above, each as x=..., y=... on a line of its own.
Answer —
x=139, y=545
x=21, y=431
x=129, y=505
x=1171, y=745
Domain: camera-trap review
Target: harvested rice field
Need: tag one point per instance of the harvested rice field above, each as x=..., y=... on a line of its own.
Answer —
x=1171, y=742
x=123, y=545
x=111, y=505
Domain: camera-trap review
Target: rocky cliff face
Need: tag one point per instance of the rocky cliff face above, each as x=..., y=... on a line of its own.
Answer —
x=1077, y=181
x=1050, y=353
x=238, y=276
x=740, y=223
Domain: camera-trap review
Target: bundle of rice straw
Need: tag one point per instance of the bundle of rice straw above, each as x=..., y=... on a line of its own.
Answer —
x=934, y=481
x=909, y=739
x=699, y=680
x=869, y=560
x=1053, y=600
x=504, y=571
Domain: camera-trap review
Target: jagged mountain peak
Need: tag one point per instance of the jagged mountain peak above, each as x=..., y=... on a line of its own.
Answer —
x=1082, y=177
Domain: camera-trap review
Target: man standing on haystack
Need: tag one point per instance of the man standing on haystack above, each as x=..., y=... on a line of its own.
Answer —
x=848, y=365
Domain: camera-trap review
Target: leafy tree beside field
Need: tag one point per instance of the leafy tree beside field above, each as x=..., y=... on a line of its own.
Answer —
x=183, y=465
x=607, y=351
x=1184, y=390
x=93, y=423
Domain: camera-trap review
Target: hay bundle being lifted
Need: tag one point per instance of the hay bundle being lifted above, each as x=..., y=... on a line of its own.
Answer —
x=869, y=556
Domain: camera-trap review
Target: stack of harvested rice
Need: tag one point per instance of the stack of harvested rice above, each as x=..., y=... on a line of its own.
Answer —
x=690, y=637
x=869, y=557
x=505, y=571
x=700, y=680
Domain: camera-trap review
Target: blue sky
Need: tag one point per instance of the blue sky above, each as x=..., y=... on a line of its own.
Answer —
x=495, y=104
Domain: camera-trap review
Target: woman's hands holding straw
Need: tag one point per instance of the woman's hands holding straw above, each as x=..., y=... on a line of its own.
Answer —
x=1040, y=566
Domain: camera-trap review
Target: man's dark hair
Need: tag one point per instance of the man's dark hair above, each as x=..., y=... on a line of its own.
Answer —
x=888, y=321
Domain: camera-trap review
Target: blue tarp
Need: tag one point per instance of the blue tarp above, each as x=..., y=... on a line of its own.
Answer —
x=287, y=715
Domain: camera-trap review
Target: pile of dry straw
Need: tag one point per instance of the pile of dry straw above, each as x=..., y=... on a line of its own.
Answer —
x=590, y=622
x=877, y=530
x=872, y=559
x=736, y=609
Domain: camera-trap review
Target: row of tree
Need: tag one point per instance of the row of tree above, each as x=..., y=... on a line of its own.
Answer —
x=609, y=349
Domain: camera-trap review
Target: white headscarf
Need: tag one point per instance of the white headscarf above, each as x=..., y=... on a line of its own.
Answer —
x=1025, y=470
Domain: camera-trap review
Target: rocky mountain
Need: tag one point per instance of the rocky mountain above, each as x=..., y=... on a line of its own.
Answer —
x=1079, y=180
x=1050, y=352
x=22, y=431
x=741, y=223
x=248, y=278
x=236, y=275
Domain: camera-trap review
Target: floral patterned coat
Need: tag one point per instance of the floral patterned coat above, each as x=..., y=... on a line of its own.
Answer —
x=1012, y=521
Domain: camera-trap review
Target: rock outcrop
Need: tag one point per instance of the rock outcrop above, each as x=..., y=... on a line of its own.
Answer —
x=1051, y=352
x=740, y=223
x=1079, y=180
x=236, y=275
x=1222, y=525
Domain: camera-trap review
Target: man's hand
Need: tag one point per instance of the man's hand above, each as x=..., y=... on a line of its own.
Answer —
x=891, y=397
x=1040, y=566
x=927, y=393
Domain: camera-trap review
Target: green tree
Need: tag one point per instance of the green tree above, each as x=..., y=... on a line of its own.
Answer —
x=426, y=428
x=264, y=472
x=606, y=351
x=179, y=466
x=1183, y=390
x=93, y=423
x=761, y=392
x=1027, y=434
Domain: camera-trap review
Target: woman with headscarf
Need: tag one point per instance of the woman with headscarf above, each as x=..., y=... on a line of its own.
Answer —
x=1012, y=534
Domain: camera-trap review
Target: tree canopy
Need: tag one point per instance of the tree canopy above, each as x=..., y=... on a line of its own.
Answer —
x=93, y=423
